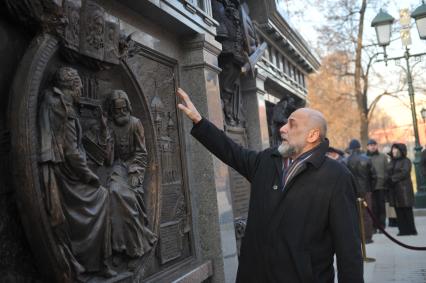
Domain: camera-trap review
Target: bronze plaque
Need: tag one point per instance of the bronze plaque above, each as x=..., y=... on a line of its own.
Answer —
x=156, y=75
x=171, y=241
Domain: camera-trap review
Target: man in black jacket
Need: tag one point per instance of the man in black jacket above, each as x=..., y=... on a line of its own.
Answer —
x=299, y=217
x=362, y=168
x=378, y=196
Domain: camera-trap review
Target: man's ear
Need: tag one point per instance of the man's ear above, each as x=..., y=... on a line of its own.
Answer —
x=313, y=136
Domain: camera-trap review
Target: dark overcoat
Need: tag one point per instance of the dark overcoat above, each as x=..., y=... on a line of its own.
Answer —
x=293, y=232
x=399, y=182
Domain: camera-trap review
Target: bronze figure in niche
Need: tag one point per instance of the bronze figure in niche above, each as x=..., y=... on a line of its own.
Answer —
x=76, y=202
x=130, y=235
x=280, y=112
x=240, y=52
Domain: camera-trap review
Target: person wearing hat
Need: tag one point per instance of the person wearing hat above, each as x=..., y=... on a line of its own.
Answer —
x=361, y=167
x=336, y=154
x=401, y=194
x=380, y=163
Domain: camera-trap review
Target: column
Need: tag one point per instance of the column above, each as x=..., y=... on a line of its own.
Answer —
x=254, y=104
x=208, y=177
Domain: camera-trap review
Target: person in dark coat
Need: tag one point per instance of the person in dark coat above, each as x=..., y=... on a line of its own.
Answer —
x=336, y=154
x=380, y=163
x=423, y=163
x=300, y=217
x=401, y=189
x=361, y=167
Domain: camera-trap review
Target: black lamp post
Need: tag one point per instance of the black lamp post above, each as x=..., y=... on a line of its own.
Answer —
x=383, y=25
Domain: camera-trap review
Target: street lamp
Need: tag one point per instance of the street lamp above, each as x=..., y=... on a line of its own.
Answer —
x=383, y=25
x=382, y=22
x=419, y=14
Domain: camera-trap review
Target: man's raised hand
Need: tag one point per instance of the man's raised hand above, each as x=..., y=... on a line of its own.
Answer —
x=187, y=107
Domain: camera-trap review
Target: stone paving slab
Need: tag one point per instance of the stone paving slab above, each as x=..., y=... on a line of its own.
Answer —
x=420, y=212
x=394, y=263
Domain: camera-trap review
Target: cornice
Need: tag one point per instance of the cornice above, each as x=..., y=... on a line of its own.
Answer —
x=298, y=50
x=282, y=81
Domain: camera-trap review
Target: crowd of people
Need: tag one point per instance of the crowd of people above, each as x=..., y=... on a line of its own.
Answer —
x=384, y=182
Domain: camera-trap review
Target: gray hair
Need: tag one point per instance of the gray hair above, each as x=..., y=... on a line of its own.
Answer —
x=118, y=94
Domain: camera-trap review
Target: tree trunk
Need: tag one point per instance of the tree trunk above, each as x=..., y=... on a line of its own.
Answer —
x=364, y=129
x=360, y=98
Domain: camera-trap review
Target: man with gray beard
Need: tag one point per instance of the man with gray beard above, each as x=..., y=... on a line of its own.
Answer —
x=131, y=237
x=299, y=217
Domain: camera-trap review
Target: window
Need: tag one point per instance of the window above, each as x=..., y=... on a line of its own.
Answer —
x=200, y=4
x=277, y=59
x=266, y=54
x=285, y=65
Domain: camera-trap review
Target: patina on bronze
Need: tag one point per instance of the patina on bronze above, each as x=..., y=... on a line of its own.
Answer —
x=86, y=196
x=77, y=203
x=99, y=168
x=130, y=235
x=238, y=37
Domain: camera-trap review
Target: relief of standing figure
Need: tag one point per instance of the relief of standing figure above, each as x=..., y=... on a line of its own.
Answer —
x=76, y=202
x=130, y=234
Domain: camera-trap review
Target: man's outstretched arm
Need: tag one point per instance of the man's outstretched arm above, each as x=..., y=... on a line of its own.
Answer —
x=242, y=160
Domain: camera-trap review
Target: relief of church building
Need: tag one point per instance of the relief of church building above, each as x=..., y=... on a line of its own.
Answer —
x=100, y=178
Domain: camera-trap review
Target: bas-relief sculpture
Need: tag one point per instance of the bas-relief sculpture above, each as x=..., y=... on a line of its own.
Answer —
x=130, y=234
x=157, y=77
x=96, y=226
x=108, y=166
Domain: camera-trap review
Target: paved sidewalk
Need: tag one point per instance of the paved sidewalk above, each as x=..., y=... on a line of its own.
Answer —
x=394, y=263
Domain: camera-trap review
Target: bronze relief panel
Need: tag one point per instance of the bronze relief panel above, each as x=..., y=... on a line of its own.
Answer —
x=156, y=75
x=96, y=151
x=87, y=153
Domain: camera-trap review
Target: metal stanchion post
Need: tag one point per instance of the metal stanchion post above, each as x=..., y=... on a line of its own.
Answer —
x=362, y=231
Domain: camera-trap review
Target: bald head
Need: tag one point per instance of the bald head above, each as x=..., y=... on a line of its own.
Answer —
x=314, y=120
x=305, y=129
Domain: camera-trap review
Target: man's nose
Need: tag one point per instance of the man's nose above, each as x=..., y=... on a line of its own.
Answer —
x=284, y=128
